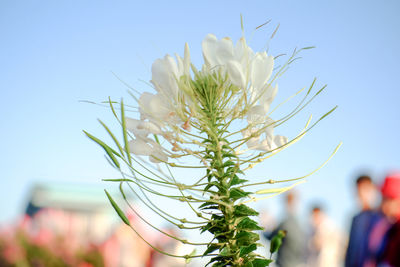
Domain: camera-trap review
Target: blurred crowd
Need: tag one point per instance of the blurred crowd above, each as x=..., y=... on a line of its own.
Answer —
x=60, y=237
x=374, y=236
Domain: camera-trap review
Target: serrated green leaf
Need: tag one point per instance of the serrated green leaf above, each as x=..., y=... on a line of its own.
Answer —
x=211, y=248
x=228, y=155
x=248, y=224
x=247, y=249
x=217, y=185
x=261, y=262
x=205, y=204
x=236, y=193
x=243, y=210
x=245, y=238
x=120, y=213
x=236, y=180
x=228, y=163
x=213, y=207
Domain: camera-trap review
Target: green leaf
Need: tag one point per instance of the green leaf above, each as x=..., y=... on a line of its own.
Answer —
x=245, y=238
x=326, y=114
x=120, y=213
x=236, y=180
x=228, y=155
x=117, y=180
x=213, y=207
x=110, y=152
x=122, y=190
x=261, y=262
x=205, y=204
x=243, y=210
x=217, y=258
x=217, y=185
x=246, y=250
x=124, y=132
x=228, y=163
x=248, y=224
x=237, y=193
x=112, y=136
x=211, y=248
x=225, y=252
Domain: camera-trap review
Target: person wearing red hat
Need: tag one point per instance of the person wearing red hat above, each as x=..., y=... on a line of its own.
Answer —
x=384, y=238
x=391, y=192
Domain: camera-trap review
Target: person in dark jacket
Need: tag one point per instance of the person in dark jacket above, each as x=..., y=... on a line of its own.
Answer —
x=362, y=222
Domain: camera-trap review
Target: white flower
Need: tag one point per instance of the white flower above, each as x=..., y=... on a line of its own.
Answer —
x=143, y=146
x=266, y=130
x=141, y=128
x=167, y=108
x=140, y=147
x=162, y=107
x=245, y=69
x=267, y=96
x=166, y=72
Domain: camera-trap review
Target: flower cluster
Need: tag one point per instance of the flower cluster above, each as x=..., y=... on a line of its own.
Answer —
x=247, y=81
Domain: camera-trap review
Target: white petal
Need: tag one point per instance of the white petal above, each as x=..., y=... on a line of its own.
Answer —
x=256, y=115
x=224, y=51
x=209, y=46
x=149, y=127
x=157, y=155
x=253, y=143
x=144, y=101
x=240, y=49
x=157, y=108
x=186, y=60
x=280, y=140
x=268, y=96
x=243, y=53
x=261, y=69
x=236, y=74
x=139, y=147
x=132, y=126
x=264, y=146
x=179, y=62
x=269, y=130
x=164, y=75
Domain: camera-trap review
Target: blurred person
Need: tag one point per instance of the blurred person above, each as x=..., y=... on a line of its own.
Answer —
x=326, y=241
x=292, y=251
x=362, y=223
x=384, y=239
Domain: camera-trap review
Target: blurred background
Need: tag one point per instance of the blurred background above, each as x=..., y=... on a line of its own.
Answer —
x=55, y=55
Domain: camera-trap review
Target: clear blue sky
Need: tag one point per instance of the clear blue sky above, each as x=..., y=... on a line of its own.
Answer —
x=55, y=53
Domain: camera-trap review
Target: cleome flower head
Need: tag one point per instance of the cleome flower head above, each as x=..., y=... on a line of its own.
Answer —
x=234, y=82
